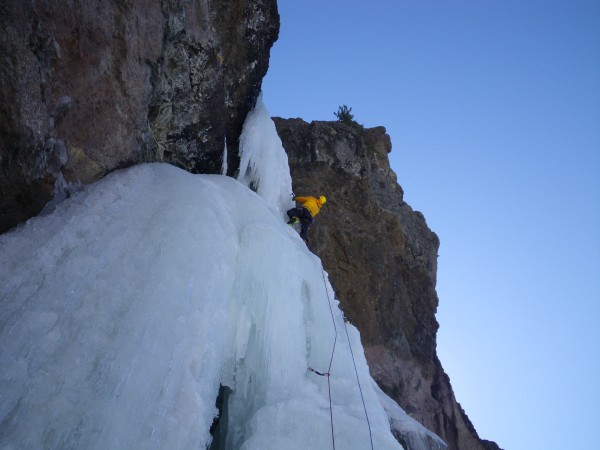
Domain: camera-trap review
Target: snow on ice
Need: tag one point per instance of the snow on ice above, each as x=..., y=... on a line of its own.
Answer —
x=124, y=310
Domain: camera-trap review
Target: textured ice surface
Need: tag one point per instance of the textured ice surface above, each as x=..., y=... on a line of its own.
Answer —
x=263, y=162
x=125, y=309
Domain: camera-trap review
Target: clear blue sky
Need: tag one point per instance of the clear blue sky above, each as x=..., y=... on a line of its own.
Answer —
x=493, y=107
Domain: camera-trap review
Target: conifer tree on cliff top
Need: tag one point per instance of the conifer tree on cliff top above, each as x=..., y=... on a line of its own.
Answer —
x=344, y=114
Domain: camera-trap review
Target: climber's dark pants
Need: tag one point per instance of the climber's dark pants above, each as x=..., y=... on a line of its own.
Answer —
x=305, y=220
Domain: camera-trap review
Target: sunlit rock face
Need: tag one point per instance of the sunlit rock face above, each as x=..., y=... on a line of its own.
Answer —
x=87, y=87
x=382, y=261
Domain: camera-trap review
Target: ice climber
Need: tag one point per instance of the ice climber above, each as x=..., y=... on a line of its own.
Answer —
x=304, y=212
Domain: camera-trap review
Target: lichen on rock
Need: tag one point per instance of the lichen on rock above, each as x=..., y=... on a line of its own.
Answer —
x=117, y=83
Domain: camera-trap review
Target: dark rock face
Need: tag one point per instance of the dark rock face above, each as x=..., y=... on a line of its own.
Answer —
x=381, y=258
x=87, y=87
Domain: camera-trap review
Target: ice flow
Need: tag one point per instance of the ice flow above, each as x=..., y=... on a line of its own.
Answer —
x=124, y=311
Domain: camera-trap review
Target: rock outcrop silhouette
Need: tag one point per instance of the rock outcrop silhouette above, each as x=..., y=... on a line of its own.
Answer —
x=382, y=261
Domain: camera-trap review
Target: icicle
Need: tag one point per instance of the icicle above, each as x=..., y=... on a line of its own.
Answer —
x=224, y=162
x=264, y=164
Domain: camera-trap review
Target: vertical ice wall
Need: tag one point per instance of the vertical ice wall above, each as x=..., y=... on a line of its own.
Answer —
x=264, y=168
x=123, y=310
x=263, y=162
x=113, y=313
x=284, y=326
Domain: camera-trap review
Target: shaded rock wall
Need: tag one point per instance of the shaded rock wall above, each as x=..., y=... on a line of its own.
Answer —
x=87, y=87
x=382, y=260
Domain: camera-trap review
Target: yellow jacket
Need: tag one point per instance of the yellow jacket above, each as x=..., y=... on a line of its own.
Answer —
x=313, y=204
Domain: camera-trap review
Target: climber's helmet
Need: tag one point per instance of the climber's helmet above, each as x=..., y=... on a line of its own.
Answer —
x=322, y=199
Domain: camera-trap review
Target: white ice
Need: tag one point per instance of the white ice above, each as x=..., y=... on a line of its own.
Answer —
x=264, y=164
x=125, y=309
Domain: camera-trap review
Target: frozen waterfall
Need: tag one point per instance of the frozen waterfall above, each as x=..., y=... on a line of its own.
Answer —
x=129, y=308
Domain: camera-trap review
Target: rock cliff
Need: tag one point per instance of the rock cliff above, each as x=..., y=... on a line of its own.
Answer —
x=381, y=258
x=87, y=87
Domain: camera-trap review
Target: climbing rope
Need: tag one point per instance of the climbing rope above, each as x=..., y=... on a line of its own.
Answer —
x=328, y=373
x=358, y=382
